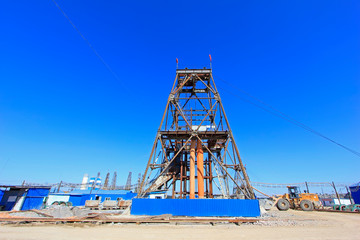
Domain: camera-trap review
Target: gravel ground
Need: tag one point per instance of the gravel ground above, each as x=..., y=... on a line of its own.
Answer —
x=59, y=211
x=275, y=225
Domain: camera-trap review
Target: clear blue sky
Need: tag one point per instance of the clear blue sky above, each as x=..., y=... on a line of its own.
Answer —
x=63, y=114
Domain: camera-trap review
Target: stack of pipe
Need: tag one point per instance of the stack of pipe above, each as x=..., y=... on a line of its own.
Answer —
x=200, y=169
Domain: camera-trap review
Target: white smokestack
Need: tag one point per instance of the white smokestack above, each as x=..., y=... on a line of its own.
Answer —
x=84, y=181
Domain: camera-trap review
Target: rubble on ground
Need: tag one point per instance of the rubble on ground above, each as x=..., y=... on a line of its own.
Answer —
x=59, y=211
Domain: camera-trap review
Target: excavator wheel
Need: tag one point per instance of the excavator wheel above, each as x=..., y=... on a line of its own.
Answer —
x=306, y=205
x=283, y=204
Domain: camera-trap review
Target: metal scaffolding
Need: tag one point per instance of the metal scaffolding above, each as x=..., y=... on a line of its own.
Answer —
x=194, y=149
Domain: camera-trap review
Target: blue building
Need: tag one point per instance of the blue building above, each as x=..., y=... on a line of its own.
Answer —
x=23, y=198
x=1, y=194
x=79, y=197
x=355, y=192
x=36, y=197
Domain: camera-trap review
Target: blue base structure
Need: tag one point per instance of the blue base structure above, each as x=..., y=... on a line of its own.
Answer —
x=196, y=207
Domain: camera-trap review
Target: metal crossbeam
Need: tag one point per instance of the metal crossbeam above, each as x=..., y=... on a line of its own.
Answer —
x=195, y=127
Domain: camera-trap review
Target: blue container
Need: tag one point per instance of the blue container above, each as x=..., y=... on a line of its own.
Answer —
x=355, y=192
x=196, y=207
x=76, y=200
x=35, y=198
x=32, y=203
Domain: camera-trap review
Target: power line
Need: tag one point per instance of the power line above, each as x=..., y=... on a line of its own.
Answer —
x=87, y=42
x=270, y=109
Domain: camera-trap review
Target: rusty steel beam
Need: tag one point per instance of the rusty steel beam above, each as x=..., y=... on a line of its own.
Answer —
x=200, y=169
x=192, y=169
x=194, y=112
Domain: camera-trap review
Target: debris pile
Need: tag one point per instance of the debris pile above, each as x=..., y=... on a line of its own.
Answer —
x=60, y=212
x=65, y=211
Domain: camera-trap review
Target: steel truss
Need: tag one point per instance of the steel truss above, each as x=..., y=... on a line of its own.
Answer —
x=194, y=145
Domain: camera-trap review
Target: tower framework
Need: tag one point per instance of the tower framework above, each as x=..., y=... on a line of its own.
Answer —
x=194, y=153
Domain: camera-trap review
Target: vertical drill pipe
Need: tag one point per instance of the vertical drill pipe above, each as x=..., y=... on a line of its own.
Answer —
x=192, y=169
x=200, y=169
x=185, y=174
x=210, y=178
x=222, y=165
x=206, y=179
x=181, y=179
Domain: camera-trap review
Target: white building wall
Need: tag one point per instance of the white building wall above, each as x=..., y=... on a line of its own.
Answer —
x=343, y=201
x=60, y=198
x=157, y=196
x=19, y=204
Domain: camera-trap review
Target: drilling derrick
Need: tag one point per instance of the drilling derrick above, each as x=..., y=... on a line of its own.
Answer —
x=128, y=182
x=106, y=183
x=113, y=182
x=194, y=154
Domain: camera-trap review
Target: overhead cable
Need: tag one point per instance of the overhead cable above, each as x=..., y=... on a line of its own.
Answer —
x=87, y=42
x=270, y=109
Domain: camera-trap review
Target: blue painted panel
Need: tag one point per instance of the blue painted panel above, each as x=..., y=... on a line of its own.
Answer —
x=84, y=198
x=75, y=200
x=355, y=193
x=129, y=196
x=32, y=203
x=196, y=207
x=38, y=192
x=1, y=194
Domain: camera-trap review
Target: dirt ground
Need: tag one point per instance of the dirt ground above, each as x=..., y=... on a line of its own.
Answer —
x=276, y=225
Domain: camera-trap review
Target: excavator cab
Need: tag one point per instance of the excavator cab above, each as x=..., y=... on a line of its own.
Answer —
x=294, y=192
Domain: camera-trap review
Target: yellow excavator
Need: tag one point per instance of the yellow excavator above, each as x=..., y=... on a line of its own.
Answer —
x=294, y=199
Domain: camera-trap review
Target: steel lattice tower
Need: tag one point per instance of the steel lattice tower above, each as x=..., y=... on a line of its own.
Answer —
x=195, y=149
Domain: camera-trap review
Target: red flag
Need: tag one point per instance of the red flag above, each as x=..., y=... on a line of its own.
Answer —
x=177, y=61
x=210, y=57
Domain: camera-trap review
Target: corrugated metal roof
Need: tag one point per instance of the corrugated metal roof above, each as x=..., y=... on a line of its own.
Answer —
x=100, y=191
x=23, y=187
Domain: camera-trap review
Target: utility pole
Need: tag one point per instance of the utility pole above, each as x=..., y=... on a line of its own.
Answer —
x=350, y=196
x=59, y=186
x=307, y=187
x=337, y=195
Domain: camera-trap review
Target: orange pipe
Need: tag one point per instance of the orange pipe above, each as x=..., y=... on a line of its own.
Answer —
x=192, y=169
x=200, y=169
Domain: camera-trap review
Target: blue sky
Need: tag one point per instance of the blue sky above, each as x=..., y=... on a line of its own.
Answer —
x=63, y=114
